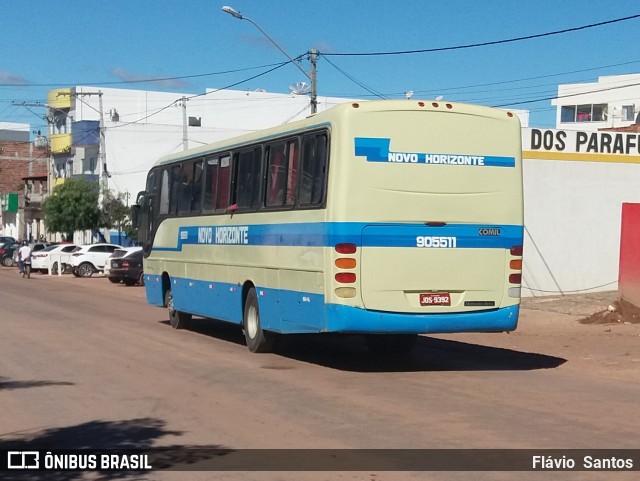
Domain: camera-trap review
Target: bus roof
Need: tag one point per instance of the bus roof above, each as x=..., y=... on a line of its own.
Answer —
x=328, y=117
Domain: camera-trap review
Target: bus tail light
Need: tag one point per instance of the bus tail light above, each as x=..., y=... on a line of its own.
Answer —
x=346, y=248
x=516, y=264
x=515, y=277
x=346, y=263
x=345, y=277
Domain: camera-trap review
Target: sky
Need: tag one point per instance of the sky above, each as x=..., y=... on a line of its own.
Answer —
x=191, y=45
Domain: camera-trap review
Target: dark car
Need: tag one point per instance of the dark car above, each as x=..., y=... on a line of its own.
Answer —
x=6, y=253
x=6, y=239
x=126, y=266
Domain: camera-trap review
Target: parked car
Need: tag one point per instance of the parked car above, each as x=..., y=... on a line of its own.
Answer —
x=6, y=253
x=6, y=240
x=126, y=265
x=40, y=259
x=88, y=259
x=35, y=247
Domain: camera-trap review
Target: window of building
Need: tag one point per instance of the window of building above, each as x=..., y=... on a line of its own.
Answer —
x=583, y=113
x=568, y=113
x=628, y=112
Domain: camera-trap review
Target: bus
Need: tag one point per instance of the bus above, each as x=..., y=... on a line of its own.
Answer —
x=388, y=219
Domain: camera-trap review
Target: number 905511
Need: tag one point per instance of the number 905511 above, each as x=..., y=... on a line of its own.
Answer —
x=436, y=241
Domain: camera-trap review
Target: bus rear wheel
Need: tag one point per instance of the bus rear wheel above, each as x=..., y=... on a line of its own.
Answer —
x=257, y=339
x=177, y=319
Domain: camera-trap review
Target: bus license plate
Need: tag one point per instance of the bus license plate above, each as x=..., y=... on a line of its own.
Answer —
x=435, y=299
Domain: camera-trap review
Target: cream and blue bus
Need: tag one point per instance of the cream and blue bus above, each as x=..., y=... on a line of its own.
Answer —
x=388, y=219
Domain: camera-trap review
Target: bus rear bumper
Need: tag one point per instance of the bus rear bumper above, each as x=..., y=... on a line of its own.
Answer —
x=349, y=319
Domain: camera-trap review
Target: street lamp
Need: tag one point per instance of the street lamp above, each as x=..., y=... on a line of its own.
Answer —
x=312, y=77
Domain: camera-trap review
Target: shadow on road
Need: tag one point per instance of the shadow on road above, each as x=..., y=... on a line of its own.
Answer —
x=137, y=435
x=350, y=353
x=8, y=385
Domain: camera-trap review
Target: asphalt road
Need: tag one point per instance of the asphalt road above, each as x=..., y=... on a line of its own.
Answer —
x=85, y=363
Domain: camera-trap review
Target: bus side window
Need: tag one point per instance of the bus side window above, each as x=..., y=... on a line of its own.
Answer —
x=176, y=178
x=185, y=188
x=210, y=183
x=314, y=166
x=276, y=175
x=196, y=195
x=224, y=183
x=164, y=193
x=248, y=178
x=292, y=172
x=152, y=181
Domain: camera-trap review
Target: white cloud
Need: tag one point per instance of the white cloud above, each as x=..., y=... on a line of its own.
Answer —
x=8, y=78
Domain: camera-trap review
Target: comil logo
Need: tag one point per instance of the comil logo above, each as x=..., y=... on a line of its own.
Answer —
x=23, y=460
x=486, y=231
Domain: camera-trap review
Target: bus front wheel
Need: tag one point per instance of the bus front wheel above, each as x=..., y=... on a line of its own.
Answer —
x=257, y=339
x=177, y=319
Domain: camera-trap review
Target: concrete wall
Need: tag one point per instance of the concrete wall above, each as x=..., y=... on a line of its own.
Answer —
x=630, y=254
x=574, y=191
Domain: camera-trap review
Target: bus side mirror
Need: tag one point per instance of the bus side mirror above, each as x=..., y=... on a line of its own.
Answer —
x=140, y=197
x=135, y=214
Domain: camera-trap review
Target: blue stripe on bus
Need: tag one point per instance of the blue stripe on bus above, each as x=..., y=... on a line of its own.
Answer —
x=294, y=312
x=328, y=234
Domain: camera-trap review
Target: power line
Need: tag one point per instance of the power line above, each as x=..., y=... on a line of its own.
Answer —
x=569, y=95
x=485, y=44
x=357, y=82
x=147, y=80
x=201, y=95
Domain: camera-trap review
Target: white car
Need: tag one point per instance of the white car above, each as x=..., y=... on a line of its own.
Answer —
x=86, y=260
x=40, y=260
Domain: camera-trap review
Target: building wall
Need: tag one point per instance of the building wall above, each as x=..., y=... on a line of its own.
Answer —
x=620, y=93
x=574, y=185
x=629, y=277
x=19, y=160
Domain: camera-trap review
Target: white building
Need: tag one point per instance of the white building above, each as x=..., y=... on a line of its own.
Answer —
x=611, y=102
x=141, y=126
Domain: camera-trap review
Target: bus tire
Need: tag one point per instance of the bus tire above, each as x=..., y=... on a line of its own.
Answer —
x=177, y=319
x=391, y=344
x=257, y=339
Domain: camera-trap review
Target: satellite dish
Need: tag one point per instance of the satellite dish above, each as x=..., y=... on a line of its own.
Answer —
x=300, y=88
x=439, y=97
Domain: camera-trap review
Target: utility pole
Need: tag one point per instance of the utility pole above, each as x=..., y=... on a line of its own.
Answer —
x=185, y=135
x=314, y=82
x=314, y=56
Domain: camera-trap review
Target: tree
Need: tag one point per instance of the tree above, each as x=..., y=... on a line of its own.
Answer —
x=72, y=206
x=115, y=214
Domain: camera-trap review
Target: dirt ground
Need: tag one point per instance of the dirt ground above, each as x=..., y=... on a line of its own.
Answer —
x=619, y=311
x=592, y=308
